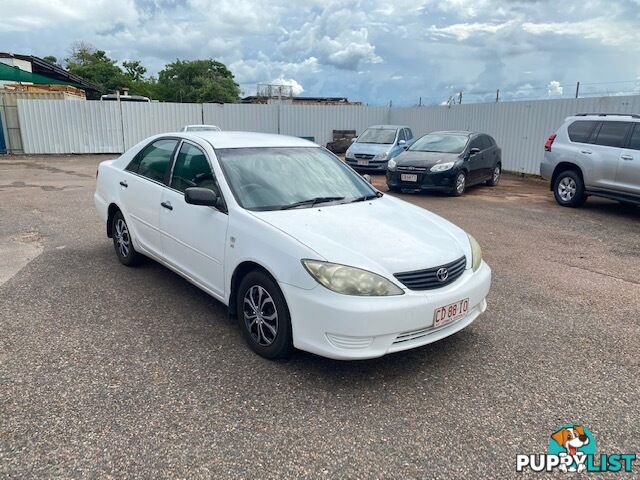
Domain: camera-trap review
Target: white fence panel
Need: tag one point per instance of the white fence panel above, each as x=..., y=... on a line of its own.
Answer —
x=319, y=121
x=520, y=128
x=60, y=126
x=239, y=117
x=141, y=120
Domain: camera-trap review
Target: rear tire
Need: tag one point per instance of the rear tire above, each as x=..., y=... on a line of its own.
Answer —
x=122, y=242
x=568, y=189
x=264, y=316
x=495, y=176
x=460, y=184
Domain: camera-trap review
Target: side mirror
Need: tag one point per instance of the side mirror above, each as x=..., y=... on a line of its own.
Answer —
x=367, y=177
x=402, y=142
x=202, y=196
x=474, y=151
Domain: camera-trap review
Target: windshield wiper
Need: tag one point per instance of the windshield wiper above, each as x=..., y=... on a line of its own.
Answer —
x=311, y=201
x=364, y=198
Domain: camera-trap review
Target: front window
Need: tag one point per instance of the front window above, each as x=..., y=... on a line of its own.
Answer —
x=289, y=177
x=378, y=135
x=440, y=143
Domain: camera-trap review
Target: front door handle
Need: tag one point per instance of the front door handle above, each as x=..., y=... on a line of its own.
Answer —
x=167, y=205
x=586, y=152
x=626, y=157
x=124, y=184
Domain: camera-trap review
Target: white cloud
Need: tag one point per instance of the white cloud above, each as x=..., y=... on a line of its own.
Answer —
x=296, y=88
x=554, y=89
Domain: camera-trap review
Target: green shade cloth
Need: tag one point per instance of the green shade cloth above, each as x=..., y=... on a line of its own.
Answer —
x=15, y=74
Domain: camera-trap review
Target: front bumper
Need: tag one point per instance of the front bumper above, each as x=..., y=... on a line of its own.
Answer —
x=426, y=181
x=373, y=166
x=349, y=327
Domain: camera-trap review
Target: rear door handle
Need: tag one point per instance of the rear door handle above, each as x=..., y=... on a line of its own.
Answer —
x=586, y=152
x=626, y=157
x=167, y=205
x=124, y=184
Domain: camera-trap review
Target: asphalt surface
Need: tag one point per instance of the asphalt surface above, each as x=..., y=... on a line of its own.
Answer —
x=114, y=372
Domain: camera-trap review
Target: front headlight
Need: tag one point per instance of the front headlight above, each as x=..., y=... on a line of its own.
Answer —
x=349, y=154
x=442, y=167
x=392, y=164
x=381, y=156
x=476, y=253
x=350, y=280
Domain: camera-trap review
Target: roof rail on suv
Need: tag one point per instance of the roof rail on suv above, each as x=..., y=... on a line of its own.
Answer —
x=632, y=115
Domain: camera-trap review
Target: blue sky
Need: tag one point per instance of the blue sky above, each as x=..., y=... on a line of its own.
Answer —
x=373, y=51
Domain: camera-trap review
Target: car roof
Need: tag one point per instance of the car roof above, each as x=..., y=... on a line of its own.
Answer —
x=627, y=117
x=459, y=132
x=247, y=139
x=389, y=126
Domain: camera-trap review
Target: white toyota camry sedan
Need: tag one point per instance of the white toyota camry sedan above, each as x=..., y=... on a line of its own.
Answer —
x=302, y=249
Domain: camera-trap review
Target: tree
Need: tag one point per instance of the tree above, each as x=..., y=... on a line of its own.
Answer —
x=51, y=59
x=197, y=81
x=134, y=69
x=95, y=67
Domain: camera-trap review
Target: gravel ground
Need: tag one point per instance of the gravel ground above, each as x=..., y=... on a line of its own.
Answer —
x=112, y=372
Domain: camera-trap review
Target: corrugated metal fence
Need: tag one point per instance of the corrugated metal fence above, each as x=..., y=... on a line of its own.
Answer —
x=56, y=126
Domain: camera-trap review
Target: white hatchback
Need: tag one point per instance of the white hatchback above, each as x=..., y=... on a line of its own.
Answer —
x=302, y=249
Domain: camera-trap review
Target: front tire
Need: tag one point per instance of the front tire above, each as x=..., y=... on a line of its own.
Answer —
x=122, y=241
x=264, y=316
x=495, y=176
x=460, y=184
x=568, y=189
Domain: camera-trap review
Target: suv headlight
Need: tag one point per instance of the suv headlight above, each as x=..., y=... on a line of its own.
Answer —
x=392, y=164
x=476, y=253
x=442, y=167
x=350, y=280
x=381, y=156
x=349, y=154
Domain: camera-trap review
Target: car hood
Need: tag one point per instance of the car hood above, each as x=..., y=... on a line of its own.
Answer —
x=370, y=148
x=424, y=159
x=385, y=235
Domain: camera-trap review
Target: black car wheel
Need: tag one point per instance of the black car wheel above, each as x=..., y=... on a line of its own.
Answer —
x=122, y=241
x=495, y=176
x=569, y=189
x=264, y=316
x=460, y=184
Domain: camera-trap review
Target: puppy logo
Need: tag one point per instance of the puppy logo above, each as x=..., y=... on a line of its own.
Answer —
x=573, y=442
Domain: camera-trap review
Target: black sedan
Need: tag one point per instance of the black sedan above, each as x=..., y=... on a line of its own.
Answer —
x=446, y=162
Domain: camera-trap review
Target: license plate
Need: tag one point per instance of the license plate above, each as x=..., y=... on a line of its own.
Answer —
x=363, y=163
x=450, y=313
x=408, y=177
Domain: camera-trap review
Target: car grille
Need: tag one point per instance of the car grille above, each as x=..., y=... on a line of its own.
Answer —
x=412, y=169
x=428, y=279
x=364, y=156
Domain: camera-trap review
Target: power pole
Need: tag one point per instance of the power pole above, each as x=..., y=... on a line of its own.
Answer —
x=420, y=102
x=577, y=89
x=497, y=95
x=460, y=97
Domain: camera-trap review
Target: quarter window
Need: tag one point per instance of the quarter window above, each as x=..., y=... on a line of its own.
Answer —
x=581, y=130
x=192, y=170
x=401, y=135
x=154, y=160
x=634, y=143
x=613, y=134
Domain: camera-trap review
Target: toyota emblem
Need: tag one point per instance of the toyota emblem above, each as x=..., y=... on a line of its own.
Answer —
x=442, y=274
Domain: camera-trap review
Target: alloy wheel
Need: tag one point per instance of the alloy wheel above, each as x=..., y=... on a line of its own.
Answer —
x=496, y=174
x=460, y=183
x=123, y=239
x=260, y=315
x=567, y=189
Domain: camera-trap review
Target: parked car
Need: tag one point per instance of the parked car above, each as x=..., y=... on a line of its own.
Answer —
x=447, y=162
x=378, y=144
x=594, y=154
x=201, y=128
x=300, y=247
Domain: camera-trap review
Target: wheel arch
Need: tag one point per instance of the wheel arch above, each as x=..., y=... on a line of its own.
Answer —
x=111, y=211
x=241, y=271
x=563, y=167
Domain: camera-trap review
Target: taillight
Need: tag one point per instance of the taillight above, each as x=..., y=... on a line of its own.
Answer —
x=549, y=142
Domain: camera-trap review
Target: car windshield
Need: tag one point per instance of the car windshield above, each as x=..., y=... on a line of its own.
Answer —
x=378, y=135
x=276, y=178
x=441, y=143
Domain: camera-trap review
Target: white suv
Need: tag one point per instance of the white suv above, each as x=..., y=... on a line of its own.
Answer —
x=594, y=154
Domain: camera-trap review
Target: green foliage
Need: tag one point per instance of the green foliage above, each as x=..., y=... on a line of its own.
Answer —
x=197, y=81
x=194, y=81
x=51, y=59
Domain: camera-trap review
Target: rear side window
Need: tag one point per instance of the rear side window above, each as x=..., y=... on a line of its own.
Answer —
x=154, y=160
x=408, y=133
x=634, y=143
x=580, y=131
x=613, y=134
x=192, y=170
